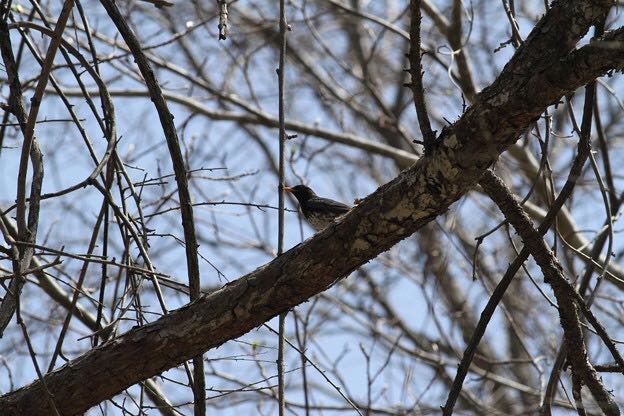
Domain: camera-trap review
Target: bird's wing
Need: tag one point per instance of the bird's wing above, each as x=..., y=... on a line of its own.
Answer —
x=330, y=205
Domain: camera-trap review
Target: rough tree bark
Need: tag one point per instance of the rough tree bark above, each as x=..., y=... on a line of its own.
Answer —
x=541, y=72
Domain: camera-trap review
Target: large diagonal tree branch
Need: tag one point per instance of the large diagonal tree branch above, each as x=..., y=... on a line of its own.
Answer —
x=536, y=77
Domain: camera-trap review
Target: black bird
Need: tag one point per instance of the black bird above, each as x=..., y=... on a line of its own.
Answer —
x=319, y=212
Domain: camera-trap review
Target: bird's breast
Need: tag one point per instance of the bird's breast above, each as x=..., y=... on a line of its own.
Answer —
x=318, y=221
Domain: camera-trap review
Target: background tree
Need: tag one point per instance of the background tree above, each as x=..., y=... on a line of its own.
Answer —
x=139, y=167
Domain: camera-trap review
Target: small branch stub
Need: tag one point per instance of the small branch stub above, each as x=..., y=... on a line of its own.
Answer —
x=223, y=19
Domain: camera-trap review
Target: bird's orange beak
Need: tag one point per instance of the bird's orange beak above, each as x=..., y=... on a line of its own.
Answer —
x=288, y=189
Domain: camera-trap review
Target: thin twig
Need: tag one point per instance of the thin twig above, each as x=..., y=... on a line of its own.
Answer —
x=416, y=71
x=553, y=275
x=280, y=213
x=566, y=191
x=188, y=224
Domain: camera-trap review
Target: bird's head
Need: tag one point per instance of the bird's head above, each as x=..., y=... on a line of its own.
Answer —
x=301, y=192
